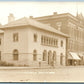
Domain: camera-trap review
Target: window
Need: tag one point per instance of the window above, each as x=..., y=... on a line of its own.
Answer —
x=54, y=56
x=52, y=41
x=15, y=37
x=0, y=41
x=35, y=38
x=61, y=43
x=49, y=57
x=47, y=41
x=55, y=42
x=34, y=55
x=44, y=55
x=0, y=55
x=41, y=39
x=61, y=59
x=44, y=40
x=15, y=55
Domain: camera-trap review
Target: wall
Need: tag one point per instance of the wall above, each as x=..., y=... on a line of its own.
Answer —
x=2, y=44
x=21, y=45
x=40, y=48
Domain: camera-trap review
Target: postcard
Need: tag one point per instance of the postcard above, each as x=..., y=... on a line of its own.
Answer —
x=41, y=41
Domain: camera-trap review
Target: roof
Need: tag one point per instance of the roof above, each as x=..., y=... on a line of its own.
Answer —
x=27, y=21
x=56, y=16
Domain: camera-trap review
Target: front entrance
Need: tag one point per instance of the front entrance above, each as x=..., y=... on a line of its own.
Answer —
x=51, y=58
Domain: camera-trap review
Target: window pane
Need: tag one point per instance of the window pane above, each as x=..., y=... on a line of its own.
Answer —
x=15, y=55
x=0, y=41
x=35, y=38
x=61, y=43
x=15, y=37
x=34, y=55
x=0, y=55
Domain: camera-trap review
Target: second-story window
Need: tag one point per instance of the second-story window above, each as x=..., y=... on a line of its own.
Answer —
x=15, y=37
x=42, y=40
x=0, y=55
x=35, y=37
x=61, y=43
x=0, y=41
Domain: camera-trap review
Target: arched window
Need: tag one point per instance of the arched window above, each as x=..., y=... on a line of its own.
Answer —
x=15, y=54
x=49, y=57
x=34, y=55
x=44, y=55
x=61, y=59
x=54, y=56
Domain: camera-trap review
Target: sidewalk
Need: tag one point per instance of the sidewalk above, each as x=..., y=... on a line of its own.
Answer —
x=25, y=68
x=22, y=68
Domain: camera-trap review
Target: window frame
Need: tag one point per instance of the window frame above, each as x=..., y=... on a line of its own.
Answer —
x=44, y=55
x=15, y=37
x=0, y=41
x=35, y=37
x=62, y=43
x=0, y=55
x=34, y=55
x=15, y=55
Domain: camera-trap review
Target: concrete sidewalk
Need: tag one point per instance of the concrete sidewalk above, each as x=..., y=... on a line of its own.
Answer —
x=22, y=68
x=25, y=68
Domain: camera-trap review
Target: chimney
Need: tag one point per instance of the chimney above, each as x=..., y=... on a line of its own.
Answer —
x=11, y=18
x=31, y=17
x=55, y=13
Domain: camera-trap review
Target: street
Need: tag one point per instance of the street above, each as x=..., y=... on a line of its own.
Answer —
x=64, y=74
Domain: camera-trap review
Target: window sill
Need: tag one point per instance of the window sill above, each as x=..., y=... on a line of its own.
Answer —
x=49, y=45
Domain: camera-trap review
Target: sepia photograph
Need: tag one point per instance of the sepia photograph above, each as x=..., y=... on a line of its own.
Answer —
x=41, y=41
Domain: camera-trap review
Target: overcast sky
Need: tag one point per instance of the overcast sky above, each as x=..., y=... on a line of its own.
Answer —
x=35, y=9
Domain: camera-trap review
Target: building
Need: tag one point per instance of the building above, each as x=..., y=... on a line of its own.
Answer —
x=30, y=43
x=72, y=26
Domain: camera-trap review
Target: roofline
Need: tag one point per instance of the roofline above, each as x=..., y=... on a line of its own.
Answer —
x=53, y=32
x=35, y=27
x=56, y=16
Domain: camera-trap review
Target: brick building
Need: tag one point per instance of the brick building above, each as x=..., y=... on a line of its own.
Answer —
x=71, y=25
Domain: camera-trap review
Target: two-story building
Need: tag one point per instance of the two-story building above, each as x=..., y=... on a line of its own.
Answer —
x=31, y=43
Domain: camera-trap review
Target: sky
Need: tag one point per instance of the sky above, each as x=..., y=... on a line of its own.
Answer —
x=37, y=9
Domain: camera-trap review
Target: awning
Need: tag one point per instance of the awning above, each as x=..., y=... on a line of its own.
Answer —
x=74, y=56
x=80, y=54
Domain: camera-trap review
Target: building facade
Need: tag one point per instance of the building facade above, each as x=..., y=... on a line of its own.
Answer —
x=71, y=25
x=30, y=43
